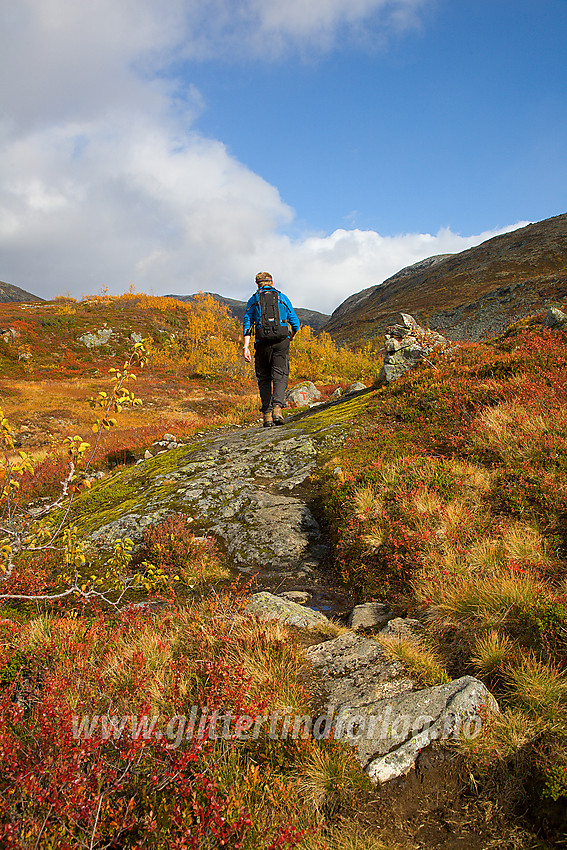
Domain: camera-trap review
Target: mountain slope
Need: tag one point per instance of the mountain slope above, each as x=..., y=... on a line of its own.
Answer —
x=471, y=294
x=312, y=318
x=358, y=298
x=9, y=292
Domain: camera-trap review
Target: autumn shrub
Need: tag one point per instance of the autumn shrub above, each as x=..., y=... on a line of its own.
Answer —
x=208, y=345
x=85, y=756
x=451, y=505
x=45, y=531
x=172, y=547
x=205, y=342
x=402, y=512
x=319, y=358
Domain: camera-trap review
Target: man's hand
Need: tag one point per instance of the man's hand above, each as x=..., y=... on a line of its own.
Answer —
x=247, y=355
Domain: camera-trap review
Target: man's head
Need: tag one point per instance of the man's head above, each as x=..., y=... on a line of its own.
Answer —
x=264, y=279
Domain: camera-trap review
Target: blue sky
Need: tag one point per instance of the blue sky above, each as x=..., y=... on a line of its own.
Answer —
x=188, y=144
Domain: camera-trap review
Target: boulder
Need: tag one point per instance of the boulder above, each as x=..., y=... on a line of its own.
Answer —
x=554, y=318
x=392, y=345
x=402, y=627
x=369, y=615
x=390, y=734
x=269, y=607
x=406, y=343
x=8, y=334
x=129, y=525
x=165, y=443
x=356, y=387
x=299, y=596
x=97, y=338
x=356, y=671
x=302, y=395
x=377, y=710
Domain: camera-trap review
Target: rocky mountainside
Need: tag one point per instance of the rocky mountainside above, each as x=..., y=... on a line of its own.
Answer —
x=355, y=300
x=9, y=292
x=470, y=295
x=314, y=319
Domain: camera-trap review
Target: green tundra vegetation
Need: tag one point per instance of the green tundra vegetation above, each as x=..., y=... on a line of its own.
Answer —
x=447, y=498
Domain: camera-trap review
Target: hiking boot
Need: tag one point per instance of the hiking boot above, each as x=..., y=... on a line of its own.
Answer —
x=268, y=420
x=277, y=415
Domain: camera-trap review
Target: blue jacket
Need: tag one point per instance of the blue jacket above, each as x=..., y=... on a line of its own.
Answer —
x=287, y=313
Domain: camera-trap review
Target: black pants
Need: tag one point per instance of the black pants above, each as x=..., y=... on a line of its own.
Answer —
x=271, y=362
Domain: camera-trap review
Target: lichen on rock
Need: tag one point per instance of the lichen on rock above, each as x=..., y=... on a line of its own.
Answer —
x=238, y=484
x=406, y=343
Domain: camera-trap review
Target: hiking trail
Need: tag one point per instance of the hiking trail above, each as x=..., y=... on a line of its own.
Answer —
x=252, y=488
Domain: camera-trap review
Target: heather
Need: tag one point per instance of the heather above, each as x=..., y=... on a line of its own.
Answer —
x=447, y=500
x=125, y=786
x=73, y=648
x=195, y=377
x=451, y=504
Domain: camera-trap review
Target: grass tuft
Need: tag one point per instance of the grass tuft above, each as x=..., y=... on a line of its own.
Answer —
x=487, y=602
x=330, y=778
x=492, y=651
x=540, y=688
x=418, y=655
x=365, y=503
x=505, y=735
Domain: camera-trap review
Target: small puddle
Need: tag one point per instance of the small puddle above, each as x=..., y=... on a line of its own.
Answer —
x=322, y=594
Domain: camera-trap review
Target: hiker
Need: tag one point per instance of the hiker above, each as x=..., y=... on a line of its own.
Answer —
x=267, y=314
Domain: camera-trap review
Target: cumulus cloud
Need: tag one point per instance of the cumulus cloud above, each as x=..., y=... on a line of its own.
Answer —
x=72, y=59
x=321, y=271
x=122, y=201
x=106, y=180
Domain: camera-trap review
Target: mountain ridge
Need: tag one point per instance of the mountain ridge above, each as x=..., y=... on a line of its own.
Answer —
x=313, y=318
x=471, y=294
x=9, y=292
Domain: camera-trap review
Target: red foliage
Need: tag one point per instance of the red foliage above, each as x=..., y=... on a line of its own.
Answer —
x=64, y=788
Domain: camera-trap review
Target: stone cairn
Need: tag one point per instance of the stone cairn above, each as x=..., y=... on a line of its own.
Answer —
x=406, y=343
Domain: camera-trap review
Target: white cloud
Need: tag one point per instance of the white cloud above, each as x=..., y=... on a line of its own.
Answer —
x=321, y=271
x=270, y=27
x=122, y=200
x=106, y=181
x=72, y=59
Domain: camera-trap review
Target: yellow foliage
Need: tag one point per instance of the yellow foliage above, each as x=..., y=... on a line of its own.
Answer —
x=319, y=358
x=206, y=341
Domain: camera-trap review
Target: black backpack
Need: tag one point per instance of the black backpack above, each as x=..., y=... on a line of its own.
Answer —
x=270, y=328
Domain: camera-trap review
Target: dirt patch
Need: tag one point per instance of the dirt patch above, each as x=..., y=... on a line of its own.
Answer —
x=439, y=805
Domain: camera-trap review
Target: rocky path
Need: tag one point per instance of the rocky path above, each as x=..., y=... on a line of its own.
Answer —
x=252, y=487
